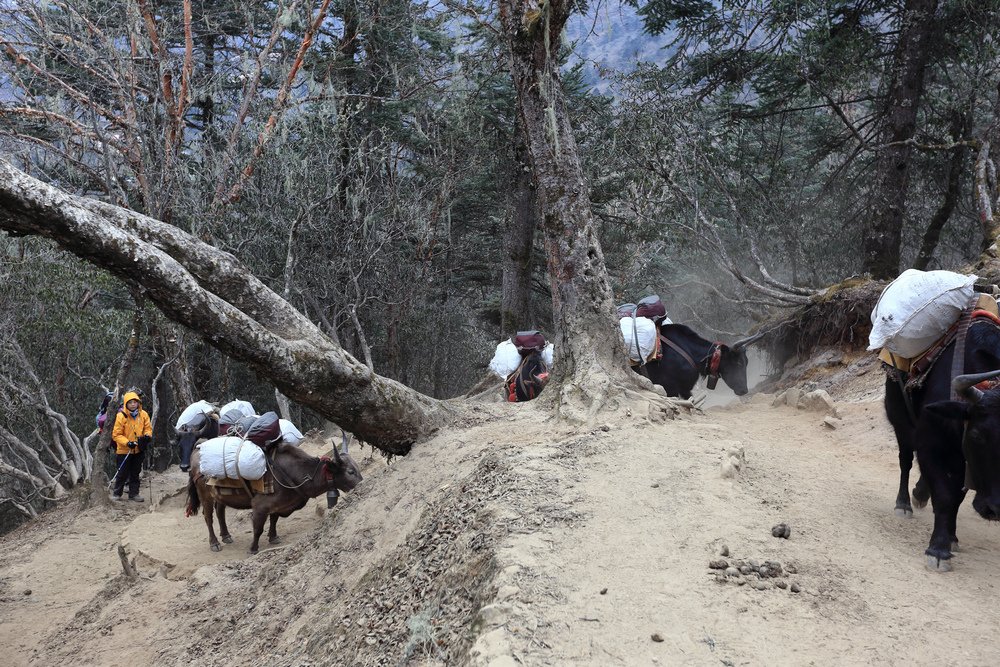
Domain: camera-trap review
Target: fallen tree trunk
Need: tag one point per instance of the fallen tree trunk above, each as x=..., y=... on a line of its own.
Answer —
x=212, y=293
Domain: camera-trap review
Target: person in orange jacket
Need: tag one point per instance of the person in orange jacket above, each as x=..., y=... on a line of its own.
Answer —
x=132, y=434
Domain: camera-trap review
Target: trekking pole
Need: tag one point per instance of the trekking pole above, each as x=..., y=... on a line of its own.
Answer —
x=124, y=461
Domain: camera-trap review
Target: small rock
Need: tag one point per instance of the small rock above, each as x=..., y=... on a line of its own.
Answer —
x=831, y=422
x=792, y=397
x=655, y=486
x=781, y=530
x=27, y=591
x=795, y=588
x=724, y=551
x=759, y=585
x=781, y=584
x=728, y=470
x=791, y=569
x=732, y=572
x=606, y=428
x=656, y=637
x=720, y=564
x=741, y=581
x=745, y=569
x=818, y=401
x=604, y=591
x=754, y=564
x=763, y=571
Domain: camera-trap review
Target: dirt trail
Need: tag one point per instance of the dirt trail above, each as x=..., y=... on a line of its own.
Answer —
x=492, y=544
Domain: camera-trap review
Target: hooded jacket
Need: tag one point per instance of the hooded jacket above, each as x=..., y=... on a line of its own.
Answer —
x=128, y=428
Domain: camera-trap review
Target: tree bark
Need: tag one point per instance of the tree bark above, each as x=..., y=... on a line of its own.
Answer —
x=589, y=353
x=518, y=244
x=883, y=237
x=210, y=292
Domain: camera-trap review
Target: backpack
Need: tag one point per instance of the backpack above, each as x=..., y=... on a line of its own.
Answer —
x=102, y=413
x=527, y=342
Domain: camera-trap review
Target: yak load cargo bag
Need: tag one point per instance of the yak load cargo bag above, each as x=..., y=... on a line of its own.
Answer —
x=527, y=342
x=193, y=414
x=639, y=335
x=232, y=457
x=265, y=430
x=507, y=359
x=229, y=420
x=652, y=308
x=917, y=308
x=289, y=433
x=243, y=407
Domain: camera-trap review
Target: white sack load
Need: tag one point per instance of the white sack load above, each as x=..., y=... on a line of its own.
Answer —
x=643, y=330
x=506, y=360
x=289, y=433
x=243, y=407
x=193, y=413
x=548, y=355
x=917, y=308
x=232, y=457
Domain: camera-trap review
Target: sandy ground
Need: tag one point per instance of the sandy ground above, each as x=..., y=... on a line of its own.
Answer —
x=512, y=540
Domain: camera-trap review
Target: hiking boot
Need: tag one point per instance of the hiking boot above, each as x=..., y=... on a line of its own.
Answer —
x=116, y=498
x=137, y=499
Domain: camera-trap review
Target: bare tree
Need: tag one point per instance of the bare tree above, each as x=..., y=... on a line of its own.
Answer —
x=210, y=292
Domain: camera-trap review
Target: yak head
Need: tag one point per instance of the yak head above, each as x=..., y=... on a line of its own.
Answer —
x=981, y=441
x=733, y=362
x=342, y=473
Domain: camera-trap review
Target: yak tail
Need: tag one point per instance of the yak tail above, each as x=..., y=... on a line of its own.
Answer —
x=193, y=501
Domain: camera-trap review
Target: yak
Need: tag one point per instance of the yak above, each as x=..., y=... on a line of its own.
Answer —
x=527, y=382
x=686, y=356
x=296, y=478
x=928, y=424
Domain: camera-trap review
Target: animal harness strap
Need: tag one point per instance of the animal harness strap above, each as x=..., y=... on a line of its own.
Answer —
x=712, y=362
x=246, y=484
x=958, y=359
x=679, y=350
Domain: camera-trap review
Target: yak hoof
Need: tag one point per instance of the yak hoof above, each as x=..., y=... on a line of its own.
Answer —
x=904, y=512
x=935, y=564
x=955, y=546
x=216, y=547
x=919, y=502
x=253, y=550
x=228, y=539
x=274, y=540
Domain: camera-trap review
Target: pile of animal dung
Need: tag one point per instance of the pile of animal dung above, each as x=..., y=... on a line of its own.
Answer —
x=758, y=575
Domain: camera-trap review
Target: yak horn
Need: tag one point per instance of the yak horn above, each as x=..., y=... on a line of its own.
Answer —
x=345, y=440
x=965, y=385
x=747, y=341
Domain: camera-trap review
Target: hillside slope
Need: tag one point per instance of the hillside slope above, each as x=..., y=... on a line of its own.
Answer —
x=510, y=540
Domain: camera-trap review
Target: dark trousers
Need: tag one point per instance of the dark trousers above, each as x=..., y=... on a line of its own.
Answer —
x=128, y=466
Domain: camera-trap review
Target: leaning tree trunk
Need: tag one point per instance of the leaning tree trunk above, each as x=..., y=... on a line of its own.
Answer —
x=589, y=352
x=210, y=292
x=883, y=237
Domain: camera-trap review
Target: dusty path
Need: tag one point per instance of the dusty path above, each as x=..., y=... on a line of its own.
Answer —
x=658, y=510
x=493, y=544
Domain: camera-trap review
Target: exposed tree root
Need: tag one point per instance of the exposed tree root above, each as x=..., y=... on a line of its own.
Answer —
x=840, y=316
